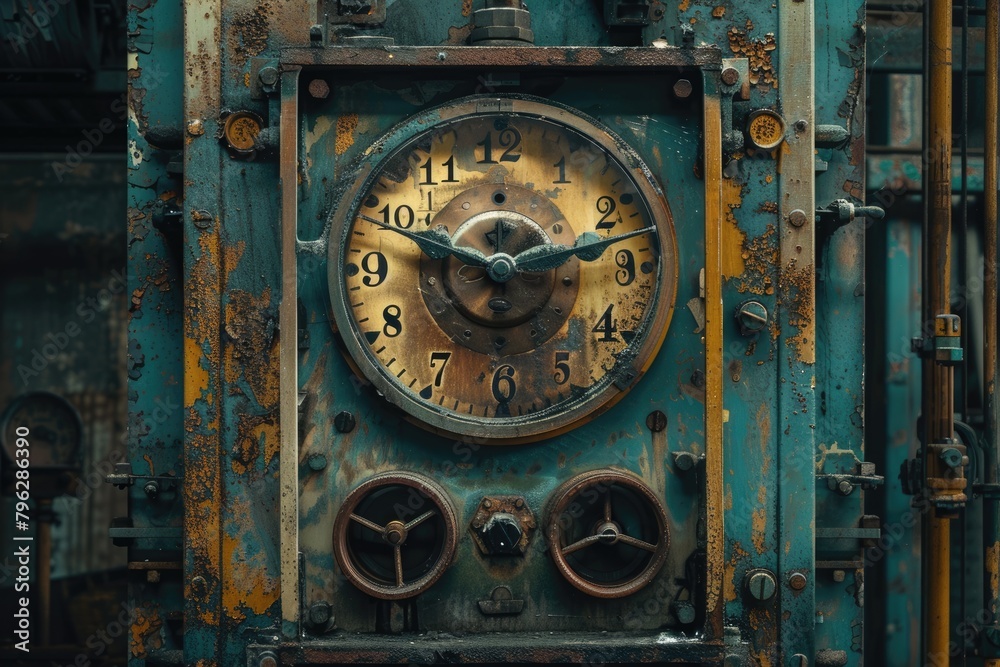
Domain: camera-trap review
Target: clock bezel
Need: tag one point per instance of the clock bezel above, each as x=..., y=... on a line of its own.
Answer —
x=565, y=415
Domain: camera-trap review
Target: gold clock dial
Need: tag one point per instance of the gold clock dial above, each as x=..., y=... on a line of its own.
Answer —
x=506, y=271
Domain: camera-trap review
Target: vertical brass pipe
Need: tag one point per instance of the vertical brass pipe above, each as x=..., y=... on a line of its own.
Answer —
x=991, y=514
x=938, y=394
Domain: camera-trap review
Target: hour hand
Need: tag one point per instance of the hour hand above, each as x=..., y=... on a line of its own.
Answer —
x=588, y=246
x=435, y=243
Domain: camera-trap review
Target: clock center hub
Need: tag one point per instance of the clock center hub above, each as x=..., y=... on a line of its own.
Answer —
x=496, y=308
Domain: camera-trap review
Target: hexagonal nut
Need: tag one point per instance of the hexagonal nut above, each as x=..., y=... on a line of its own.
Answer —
x=507, y=17
x=319, y=89
x=502, y=33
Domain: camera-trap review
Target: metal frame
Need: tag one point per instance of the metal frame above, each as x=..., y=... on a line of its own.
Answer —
x=706, y=58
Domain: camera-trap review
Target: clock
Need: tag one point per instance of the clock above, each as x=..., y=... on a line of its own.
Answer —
x=502, y=268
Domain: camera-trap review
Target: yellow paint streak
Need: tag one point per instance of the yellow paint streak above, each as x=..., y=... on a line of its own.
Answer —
x=733, y=238
x=716, y=572
x=346, y=126
x=759, y=526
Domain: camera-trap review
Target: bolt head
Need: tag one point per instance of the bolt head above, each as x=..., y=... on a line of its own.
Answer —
x=319, y=89
x=268, y=76
x=683, y=88
x=797, y=218
x=502, y=534
x=730, y=76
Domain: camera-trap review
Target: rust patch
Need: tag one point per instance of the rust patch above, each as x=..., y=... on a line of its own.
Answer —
x=797, y=291
x=719, y=11
x=459, y=34
x=136, y=96
x=759, y=256
x=768, y=207
x=855, y=189
x=248, y=33
x=733, y=238
x=466, y=7
x=254, y=432
x=993, y=566
x=145, y=631
x=684, y=6
x=252, y=349
x=346, y=126
x=757, y=52
x=758, y=521
x=247, y=588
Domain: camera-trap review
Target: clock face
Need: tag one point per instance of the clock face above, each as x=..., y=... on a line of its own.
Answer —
x=505, y=271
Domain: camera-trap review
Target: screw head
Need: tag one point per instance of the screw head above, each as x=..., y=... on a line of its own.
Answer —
x=656, y=421
x=845, y=487
x=344, y=422
x=761, y=585
x=751, y=317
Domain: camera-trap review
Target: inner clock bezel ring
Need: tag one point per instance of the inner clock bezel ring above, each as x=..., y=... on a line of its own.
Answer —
x=562, y=416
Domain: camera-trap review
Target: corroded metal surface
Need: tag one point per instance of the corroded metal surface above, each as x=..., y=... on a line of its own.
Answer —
x=533, y=57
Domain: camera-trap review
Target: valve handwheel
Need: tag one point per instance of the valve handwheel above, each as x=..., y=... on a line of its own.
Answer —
x=607, y=533
x=385, y=546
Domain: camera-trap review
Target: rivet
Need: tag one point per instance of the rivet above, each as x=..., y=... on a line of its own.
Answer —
x=730, y=76
x=797, y=581
x=196, y=127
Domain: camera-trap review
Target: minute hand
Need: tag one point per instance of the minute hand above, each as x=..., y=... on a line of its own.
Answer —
x=588, y=247
x=435, y=243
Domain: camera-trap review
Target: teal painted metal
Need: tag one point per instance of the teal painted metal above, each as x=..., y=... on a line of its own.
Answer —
x=215, y=354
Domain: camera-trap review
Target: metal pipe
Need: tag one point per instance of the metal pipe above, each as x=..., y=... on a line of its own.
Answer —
x=991, y=473
x=938, y=394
